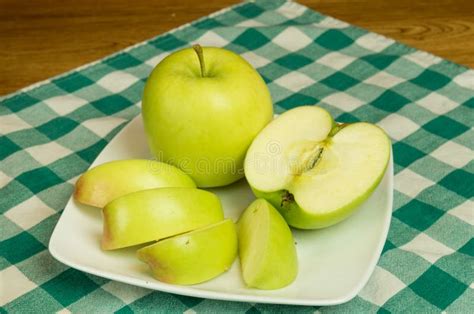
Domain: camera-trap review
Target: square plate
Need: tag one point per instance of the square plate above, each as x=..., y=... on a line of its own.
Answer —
x=334, y=263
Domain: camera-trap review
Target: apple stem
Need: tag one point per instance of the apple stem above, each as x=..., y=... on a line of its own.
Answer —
x=337, y=128
x=287, y=198
x=198, y=49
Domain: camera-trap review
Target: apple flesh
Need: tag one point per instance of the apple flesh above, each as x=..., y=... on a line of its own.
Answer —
x=151, y=215
x=106, y=182
x=314, y=171
x=201, y=109
x=266, y=248
x=193, y=257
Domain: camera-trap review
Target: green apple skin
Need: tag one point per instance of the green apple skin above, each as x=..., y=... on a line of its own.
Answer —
x=193, y=257
x=104, y=183
x=266, y=248
x=154, y=214
x=204, y=124
x=299, y=218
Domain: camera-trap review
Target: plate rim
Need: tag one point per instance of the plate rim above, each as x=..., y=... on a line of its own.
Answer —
x=226, y=296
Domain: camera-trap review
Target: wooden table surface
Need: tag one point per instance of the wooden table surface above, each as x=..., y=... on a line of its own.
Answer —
x=42, y=38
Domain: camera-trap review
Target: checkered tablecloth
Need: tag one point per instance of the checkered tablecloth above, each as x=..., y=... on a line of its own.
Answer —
x=51, y=132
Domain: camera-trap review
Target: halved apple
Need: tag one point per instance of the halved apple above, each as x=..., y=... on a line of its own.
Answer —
x=151, y=215
x=314, y=171
x=103, y=183
x=266, y=248
x=193, y=257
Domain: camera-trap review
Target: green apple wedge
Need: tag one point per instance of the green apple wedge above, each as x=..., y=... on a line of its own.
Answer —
x=266, y=248
x=101, y=184
x=314, y=171
x=193, y=257
x=201, y=108
x=154, y=214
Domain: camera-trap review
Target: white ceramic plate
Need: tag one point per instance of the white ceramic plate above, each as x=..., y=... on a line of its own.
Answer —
x=334, y=263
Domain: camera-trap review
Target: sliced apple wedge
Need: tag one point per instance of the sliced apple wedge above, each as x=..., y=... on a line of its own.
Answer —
x=193, y=257
x=151, y=215
x=266, y=248
x=106, y=182
x=316, y=172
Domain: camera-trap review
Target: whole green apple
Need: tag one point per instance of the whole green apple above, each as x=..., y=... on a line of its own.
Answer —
x=201, y=108
x=314, y=171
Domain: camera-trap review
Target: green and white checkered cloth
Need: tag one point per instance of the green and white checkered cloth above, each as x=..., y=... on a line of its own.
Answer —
x=51, y=132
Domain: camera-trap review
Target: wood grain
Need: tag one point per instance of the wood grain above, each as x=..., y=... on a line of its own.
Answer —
x=43, y=38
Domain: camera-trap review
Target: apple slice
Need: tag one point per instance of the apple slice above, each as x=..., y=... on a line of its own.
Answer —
x=155, y=214
x=193, y=257
x=106, y=182
x=316, y=172
x=266, y=248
